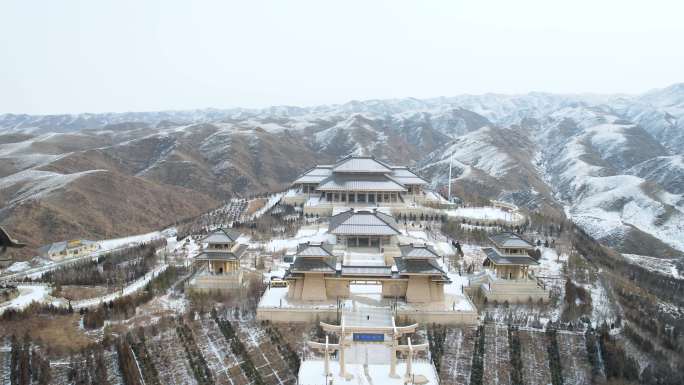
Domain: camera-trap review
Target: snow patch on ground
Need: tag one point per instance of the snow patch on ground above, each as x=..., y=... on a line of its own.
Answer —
x=126, y=241
x=18, y=266
x=27, y=295
x=305, y=234
x=485, y=213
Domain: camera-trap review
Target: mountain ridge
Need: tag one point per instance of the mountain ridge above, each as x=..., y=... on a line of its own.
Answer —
x=607, y=161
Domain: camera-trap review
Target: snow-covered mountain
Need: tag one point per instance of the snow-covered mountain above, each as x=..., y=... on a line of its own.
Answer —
x=613, y=163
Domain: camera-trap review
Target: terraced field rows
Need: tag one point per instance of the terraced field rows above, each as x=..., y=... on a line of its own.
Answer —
x=534, y=358
x=113, y=372
x=5, y=362
x=496, y=358
x=168, y=355
x=264, y=354
x=223, y=364
x=60, y=374
x=458, y=356
x=573, y=357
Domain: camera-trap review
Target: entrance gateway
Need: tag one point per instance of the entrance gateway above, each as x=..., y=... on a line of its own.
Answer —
x=366, y=348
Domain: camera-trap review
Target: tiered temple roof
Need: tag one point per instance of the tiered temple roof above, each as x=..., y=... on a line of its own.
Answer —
x=222, y=237
x=419, y=260
x=510, y=240
x=506, y=241
x=360, y=164
x=363, y=223
x=357, y=173
x=348, y=182
x=313, y=258
x=224, y=255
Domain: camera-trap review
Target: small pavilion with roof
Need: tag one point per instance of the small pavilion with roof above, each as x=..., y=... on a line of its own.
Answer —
x=509, y=258
x=508, y=275
x=218, y=265
x=426, y=279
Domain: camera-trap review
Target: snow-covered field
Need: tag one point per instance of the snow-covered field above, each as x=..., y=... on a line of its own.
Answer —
x=551, y=264
x=487, y=214
x=602, y=308
x=126, y=241
x=27, y=295
x=438, y=242
x=311, y=373
x=454, y=293
x=18, y=266
x=312, y=233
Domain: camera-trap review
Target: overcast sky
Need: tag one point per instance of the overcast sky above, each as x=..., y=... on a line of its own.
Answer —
x=94, y=56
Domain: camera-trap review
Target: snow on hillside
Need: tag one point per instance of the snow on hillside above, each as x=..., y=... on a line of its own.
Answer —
x=356, y=135
x=582, y=138
x=583, y=153
x=475, y=150
x=667, y=171
x=606, y=206
x=33, y=184
x=662, y=266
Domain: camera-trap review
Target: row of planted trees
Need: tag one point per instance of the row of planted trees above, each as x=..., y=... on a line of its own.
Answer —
x=27, y=364
x=113, y=268
x=125, y=307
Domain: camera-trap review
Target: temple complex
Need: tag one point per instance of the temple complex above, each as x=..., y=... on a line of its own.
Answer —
x=358, y=181
x=507, y=271
x=366, y=261
x=218, y=265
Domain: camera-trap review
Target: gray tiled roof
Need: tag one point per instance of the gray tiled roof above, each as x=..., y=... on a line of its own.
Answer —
x=367, y=270
x=358, y=164
x=405, y=176
x=418, y=251
x=418, y=266
x=314, y=250
x=363, y=223
x=499, y=259
x=223, y=255
x=318, y=265
x=359, y=182
x=349, y=172
x=314, y=175
x=222, y=236
x=510, y=240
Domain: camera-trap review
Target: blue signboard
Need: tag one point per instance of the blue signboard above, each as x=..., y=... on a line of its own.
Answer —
x=369, y=337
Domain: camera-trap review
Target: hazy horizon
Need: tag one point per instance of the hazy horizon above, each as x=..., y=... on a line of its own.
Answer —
x=587, y=94
x=72, y=57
